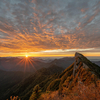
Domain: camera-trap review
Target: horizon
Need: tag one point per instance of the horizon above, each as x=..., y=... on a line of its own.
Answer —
x=91, y=58
x=52, y=54
x=69, y=54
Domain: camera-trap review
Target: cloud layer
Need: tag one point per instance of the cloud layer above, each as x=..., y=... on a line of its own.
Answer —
x=39, y=25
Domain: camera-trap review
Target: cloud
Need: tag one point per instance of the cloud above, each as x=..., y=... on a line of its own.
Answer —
x=37, y=25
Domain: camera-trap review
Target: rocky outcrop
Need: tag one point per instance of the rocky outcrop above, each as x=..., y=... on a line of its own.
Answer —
x=86, y=64
x=82, y=70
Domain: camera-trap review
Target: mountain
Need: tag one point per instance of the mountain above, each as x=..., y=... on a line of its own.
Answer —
x=31, y=64
x=63, y=62
x=20, y=64
x=25, y=87
x=81, y=80
x=96, y=62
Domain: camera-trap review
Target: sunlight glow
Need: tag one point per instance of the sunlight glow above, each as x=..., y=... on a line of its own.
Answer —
x=26, y=56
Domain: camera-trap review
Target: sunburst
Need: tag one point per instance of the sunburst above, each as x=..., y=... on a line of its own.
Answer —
x=27, y=62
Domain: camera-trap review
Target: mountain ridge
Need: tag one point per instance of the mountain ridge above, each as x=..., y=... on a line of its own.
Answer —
x=81, y=72
x=58, y=84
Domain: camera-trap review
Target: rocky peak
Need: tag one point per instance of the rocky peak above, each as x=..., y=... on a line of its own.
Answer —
x=77, y=55
x=85, y=63
x=76, y=62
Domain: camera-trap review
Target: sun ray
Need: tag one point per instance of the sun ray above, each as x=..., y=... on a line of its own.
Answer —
x=22, y=60
x=32, y=65
x=28, y=63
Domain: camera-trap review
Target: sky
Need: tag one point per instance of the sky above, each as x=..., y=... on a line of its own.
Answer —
x=49, y=27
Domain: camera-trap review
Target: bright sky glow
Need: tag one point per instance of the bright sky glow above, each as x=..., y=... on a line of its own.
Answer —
x=26, y=56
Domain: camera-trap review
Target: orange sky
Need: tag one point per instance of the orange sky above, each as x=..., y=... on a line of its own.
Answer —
x=48, y=54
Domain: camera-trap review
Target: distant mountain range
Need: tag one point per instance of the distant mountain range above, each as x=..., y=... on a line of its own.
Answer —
x=22, y=64
x=31, y=64
x=96, y=62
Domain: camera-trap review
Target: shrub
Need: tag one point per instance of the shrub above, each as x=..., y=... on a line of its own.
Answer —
x=66, y=70
x=54, y=85
x=13, y=98
x=36, y=93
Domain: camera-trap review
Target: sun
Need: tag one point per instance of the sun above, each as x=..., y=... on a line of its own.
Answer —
x=26, y=56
